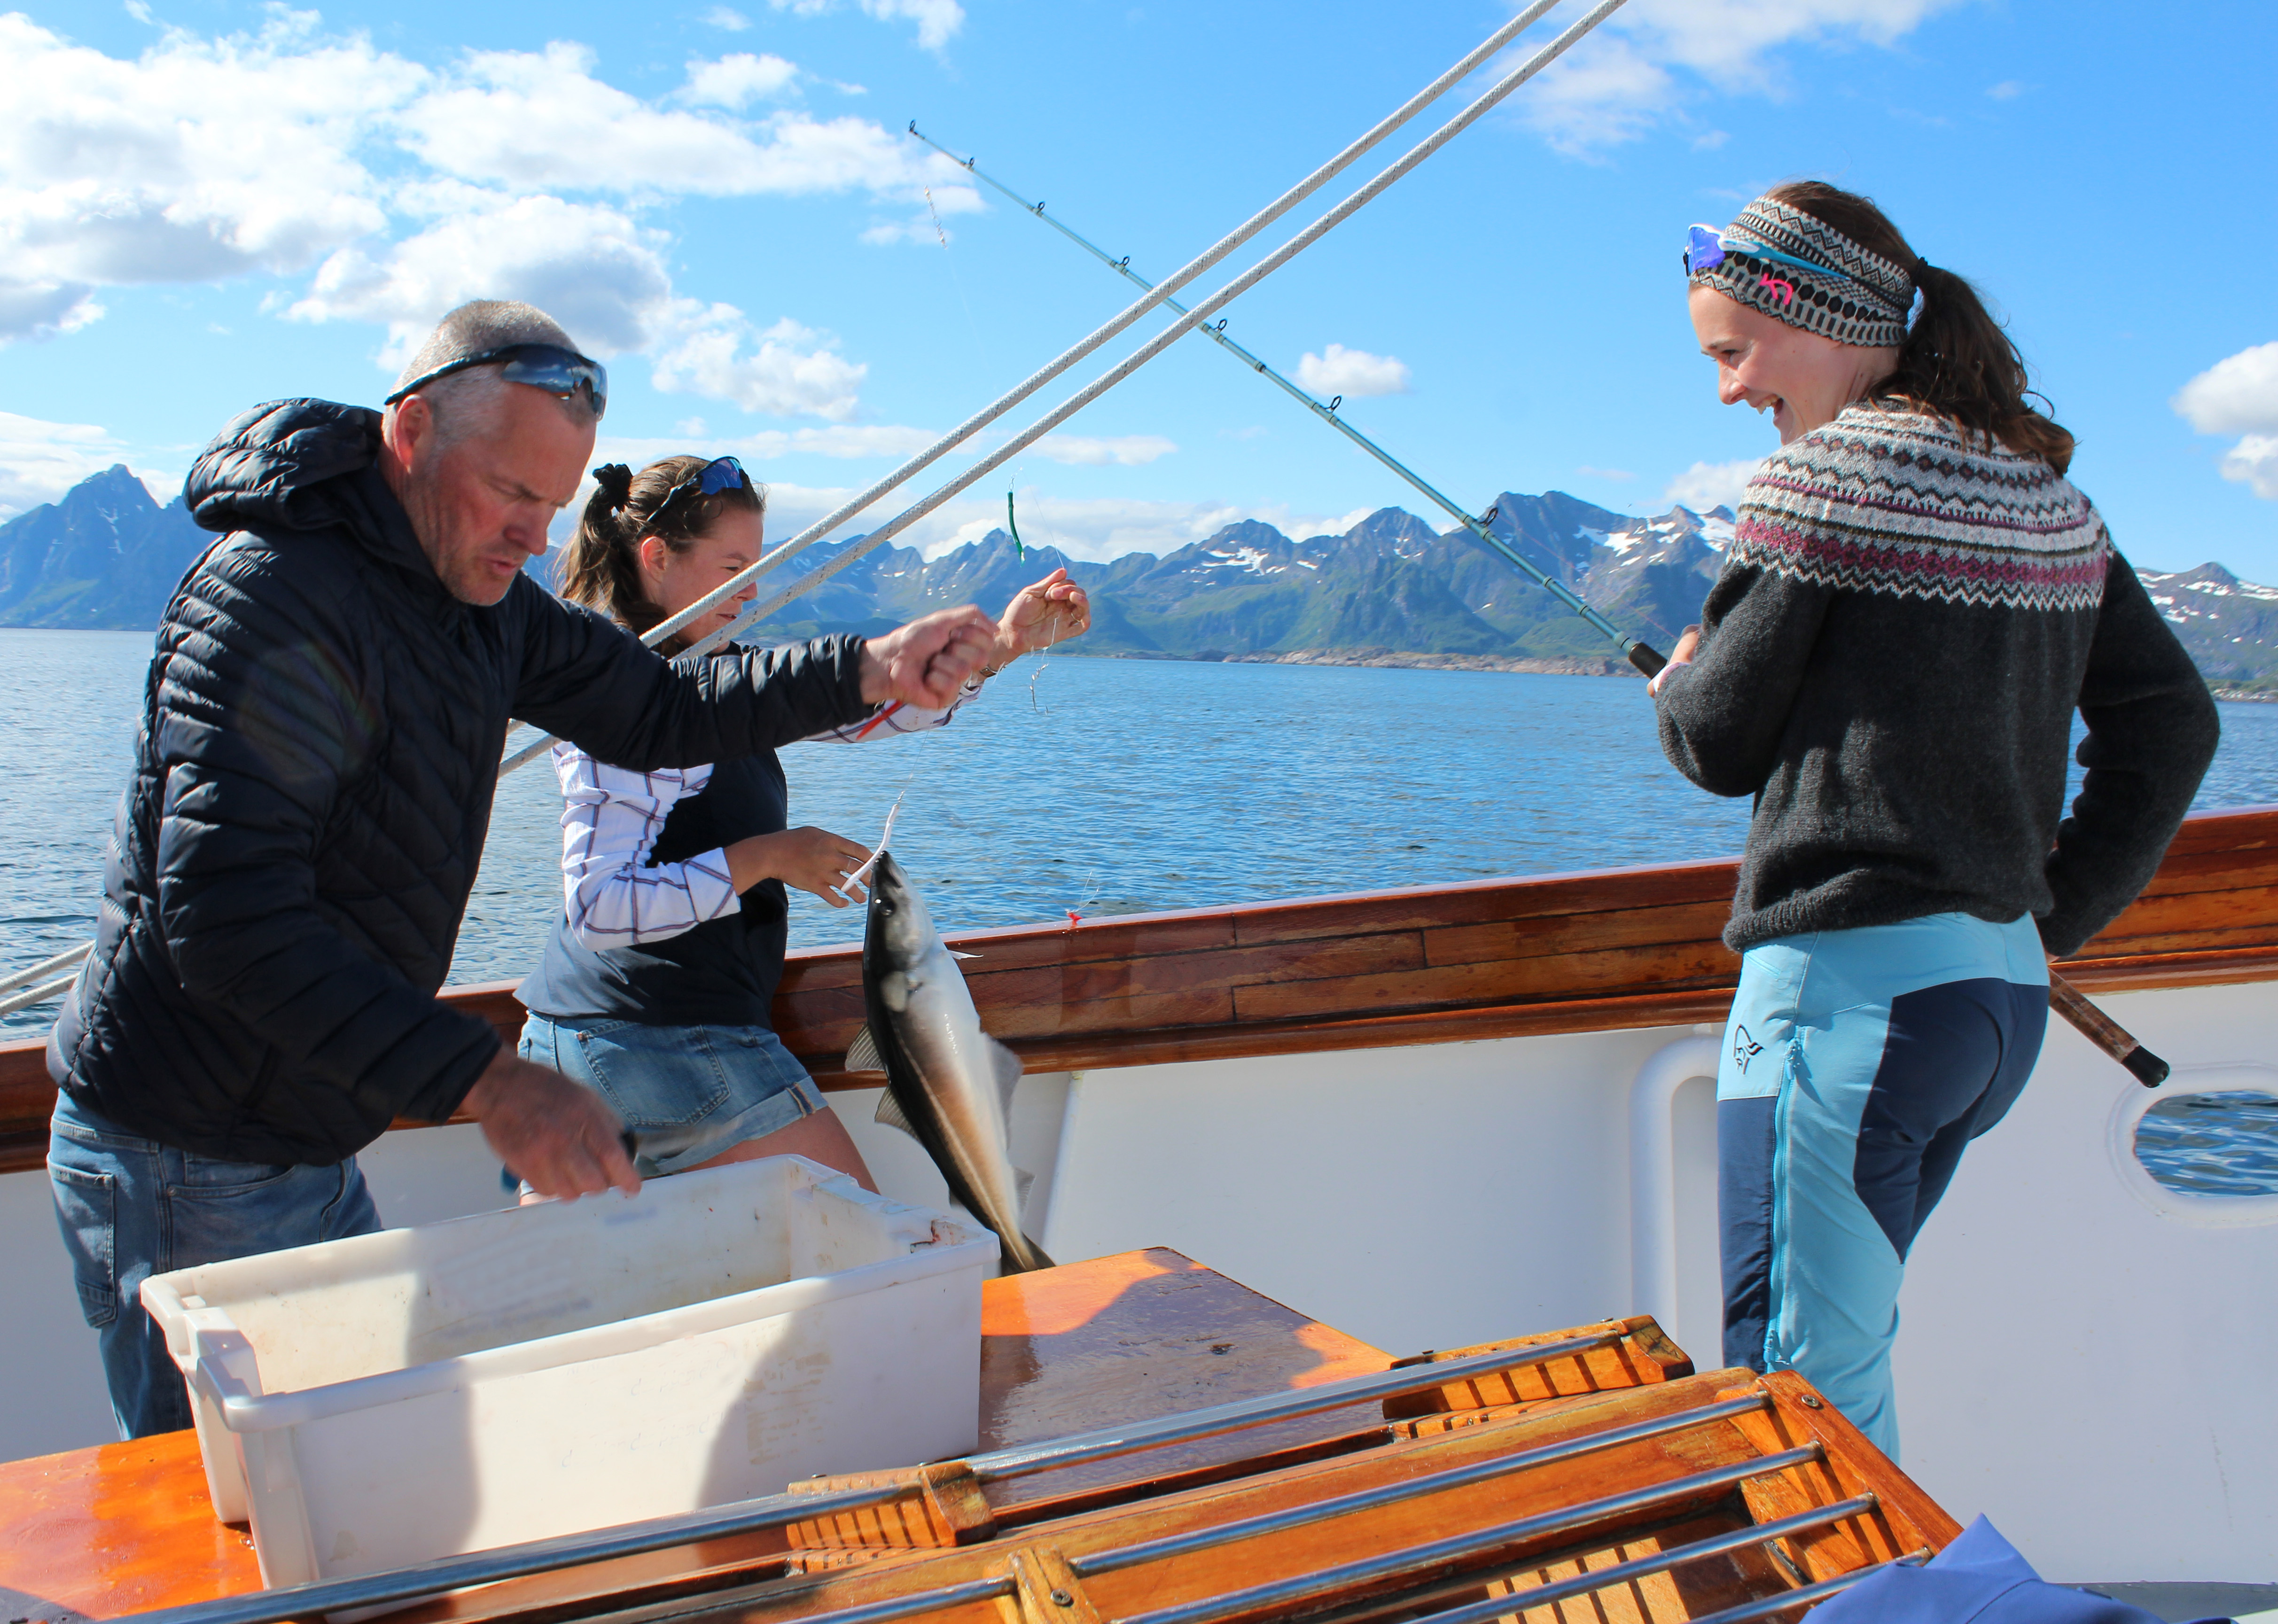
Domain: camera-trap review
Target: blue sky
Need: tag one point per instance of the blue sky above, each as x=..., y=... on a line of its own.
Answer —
x=208, y=203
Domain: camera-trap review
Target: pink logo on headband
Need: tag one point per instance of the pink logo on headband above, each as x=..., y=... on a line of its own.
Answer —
x=1784, y=291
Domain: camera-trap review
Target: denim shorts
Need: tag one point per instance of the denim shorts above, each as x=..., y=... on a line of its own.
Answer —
x=131, y=1208
x=687, y=1092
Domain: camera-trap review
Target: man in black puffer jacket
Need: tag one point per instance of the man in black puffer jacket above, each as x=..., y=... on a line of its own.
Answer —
x=323, y=721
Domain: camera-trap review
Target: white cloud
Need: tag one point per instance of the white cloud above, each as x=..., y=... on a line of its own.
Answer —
x=1711, y=484
x=406, y=189
x=592, y=268
x=40, y=461
x=936, y=19
x=197, y=161
x=2236, y=395
x=738, y=79
x=1605, y=91
x=1123, y=451
x=2007, y=90
x=1617, y=85
x=725, y=18
x=540, y=119
x=2239, y=395
x=2253, y=462
x=1355, y=373
x=786, y=370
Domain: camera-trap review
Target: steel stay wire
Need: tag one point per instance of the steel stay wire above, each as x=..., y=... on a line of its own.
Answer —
x=1641, y=655
x=1131, y=314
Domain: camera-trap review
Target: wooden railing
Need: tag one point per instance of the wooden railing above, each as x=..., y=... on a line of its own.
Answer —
x=1622, y=948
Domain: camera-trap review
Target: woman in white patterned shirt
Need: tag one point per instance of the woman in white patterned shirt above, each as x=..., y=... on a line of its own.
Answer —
x=657, y=981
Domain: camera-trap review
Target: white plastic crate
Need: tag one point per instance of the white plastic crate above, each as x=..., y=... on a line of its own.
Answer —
x=553, y=1368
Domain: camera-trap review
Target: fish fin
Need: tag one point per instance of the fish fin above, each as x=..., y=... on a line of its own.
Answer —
x=891, y=1115
x=1023, y=1182
x=955, y=955
x=862, y=1054
x=1007, y=1068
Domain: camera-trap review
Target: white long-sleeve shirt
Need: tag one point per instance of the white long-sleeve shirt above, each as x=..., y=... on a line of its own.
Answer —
x=612, y=817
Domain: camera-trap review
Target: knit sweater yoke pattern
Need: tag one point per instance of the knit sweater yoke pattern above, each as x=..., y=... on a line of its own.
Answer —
x=1891, y=658
x=1908, y=505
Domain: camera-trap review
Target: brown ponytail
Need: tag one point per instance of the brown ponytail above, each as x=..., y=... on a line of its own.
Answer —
x=600, y=568
x=1957, y=364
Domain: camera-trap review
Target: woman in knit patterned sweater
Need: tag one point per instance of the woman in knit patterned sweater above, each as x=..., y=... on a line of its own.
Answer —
x=1915, y=602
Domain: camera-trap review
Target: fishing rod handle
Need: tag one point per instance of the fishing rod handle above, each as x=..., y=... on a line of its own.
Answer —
x=1648, y=659
x=2105, y=1032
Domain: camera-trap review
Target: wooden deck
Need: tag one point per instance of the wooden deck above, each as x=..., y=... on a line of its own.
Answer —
x=1623, y=948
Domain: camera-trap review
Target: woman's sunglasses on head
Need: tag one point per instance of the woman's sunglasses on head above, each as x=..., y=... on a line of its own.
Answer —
x=1705, y=249
x=721, y=474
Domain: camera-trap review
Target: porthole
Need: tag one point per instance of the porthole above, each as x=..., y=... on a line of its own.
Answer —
x=2220, y=1144
x=2203, y=1150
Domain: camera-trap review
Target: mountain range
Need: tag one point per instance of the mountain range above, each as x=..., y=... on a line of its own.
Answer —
x=1389, y=591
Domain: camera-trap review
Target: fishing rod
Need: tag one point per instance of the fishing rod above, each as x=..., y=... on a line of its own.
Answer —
x=760, y=609
x=2067, y=999
x=1400, y=167
x=1640, y=654
x=1219, y=251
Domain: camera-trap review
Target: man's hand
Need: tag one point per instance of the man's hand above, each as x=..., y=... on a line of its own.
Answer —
x=559, y=1138
x=812, y=859
x=1052, y=611
x=925, y=663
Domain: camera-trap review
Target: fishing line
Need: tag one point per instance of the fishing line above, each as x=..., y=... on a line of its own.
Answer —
x=980, y=344
x=1640, y=654
x=884, y=835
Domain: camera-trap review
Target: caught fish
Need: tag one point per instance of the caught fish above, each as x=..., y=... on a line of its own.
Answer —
x=949, y=1085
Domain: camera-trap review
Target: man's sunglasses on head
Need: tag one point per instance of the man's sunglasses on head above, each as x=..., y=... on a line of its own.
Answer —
x=558, y=371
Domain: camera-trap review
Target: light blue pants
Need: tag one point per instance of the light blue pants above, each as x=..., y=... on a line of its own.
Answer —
x=1857, y=1067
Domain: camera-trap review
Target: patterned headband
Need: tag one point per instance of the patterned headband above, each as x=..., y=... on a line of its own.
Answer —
x=1803, y=272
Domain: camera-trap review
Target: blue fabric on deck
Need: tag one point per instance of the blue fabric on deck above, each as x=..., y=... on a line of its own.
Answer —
x=1979, y=1578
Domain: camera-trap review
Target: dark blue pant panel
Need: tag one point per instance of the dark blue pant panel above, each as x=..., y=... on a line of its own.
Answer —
x=1743, y=1214
x=1956, y=1058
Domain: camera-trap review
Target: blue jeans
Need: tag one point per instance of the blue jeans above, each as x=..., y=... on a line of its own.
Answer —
x=687, y=1092
x=1858, y=1065
x=131, y=1208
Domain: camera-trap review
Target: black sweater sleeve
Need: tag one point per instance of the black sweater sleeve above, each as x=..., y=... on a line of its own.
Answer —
x=1723, y=717
x=2153, y=729
x=587, y=680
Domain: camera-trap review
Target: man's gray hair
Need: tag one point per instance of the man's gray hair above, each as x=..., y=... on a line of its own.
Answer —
x=459, y=402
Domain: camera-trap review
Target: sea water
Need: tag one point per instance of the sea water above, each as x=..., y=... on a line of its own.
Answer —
x=1104, y=786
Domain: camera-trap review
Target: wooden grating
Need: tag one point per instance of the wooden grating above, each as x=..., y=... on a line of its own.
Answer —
x=1622, y=948
x=1547, y=1518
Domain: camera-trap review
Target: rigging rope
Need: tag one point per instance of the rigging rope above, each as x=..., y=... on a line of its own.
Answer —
x=1067, y=358
x=760, y=609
